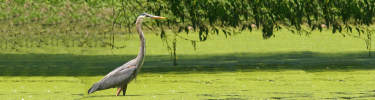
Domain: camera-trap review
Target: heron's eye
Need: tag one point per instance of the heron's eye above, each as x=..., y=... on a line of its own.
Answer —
x=143, y=14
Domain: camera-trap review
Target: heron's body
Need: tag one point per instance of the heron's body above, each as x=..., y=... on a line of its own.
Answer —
x=121, y=76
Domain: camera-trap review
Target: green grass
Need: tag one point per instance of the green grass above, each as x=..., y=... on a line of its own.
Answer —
x=244, y=66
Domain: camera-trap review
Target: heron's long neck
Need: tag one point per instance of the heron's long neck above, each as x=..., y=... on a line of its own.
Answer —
x=141, y=53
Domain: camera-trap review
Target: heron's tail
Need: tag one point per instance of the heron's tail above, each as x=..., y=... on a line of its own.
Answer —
x=93, y=88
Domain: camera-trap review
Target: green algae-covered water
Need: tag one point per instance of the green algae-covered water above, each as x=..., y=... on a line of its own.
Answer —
x=241, y=67
x=256, y=85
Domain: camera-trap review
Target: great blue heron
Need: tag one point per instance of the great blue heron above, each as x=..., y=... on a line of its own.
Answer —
x=121, y=76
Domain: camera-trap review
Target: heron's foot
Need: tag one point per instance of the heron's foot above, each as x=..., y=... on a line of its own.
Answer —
x=123, y=91
x=118, y=91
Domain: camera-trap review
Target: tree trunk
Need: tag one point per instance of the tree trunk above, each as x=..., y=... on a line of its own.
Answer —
x=174, y=52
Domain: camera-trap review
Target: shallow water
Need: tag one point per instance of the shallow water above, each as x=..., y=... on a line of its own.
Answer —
x=247, y=67
x=292, y=84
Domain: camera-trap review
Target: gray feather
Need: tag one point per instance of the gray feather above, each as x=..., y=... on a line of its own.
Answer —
x=93, y=88
x=121, y=75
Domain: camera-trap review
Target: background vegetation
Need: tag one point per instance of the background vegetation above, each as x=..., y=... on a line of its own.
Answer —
x=94, y=23
x=227, y=49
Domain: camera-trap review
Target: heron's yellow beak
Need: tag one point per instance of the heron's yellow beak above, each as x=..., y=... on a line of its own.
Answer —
x=158, y=17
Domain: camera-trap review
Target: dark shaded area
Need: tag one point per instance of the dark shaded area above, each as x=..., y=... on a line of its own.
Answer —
x=86, y=65
x=85, y=97
x=292, y=95
x=362, y=95
x=217, y=97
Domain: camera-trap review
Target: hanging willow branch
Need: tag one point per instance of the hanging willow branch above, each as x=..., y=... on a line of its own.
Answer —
x=204, y=15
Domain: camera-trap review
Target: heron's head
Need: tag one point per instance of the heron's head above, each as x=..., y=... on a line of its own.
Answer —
x=152, y=16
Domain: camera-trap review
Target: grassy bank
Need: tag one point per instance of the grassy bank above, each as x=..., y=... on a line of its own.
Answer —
x=245, y=42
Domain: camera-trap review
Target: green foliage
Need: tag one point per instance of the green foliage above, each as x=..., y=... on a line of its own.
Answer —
x=63, y=23
x=93, y=23
x=206, y=15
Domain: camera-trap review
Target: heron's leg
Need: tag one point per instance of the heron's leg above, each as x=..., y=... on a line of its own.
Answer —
x=124, y=89
x=118, y=91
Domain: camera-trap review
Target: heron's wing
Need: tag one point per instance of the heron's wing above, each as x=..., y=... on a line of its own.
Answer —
x=117, y=77
x=121, y=75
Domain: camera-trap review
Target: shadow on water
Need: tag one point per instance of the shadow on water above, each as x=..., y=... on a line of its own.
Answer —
x=360, y=95
x=292, y=95
x=223, y=97
x=100, y=96
x=87, y=65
